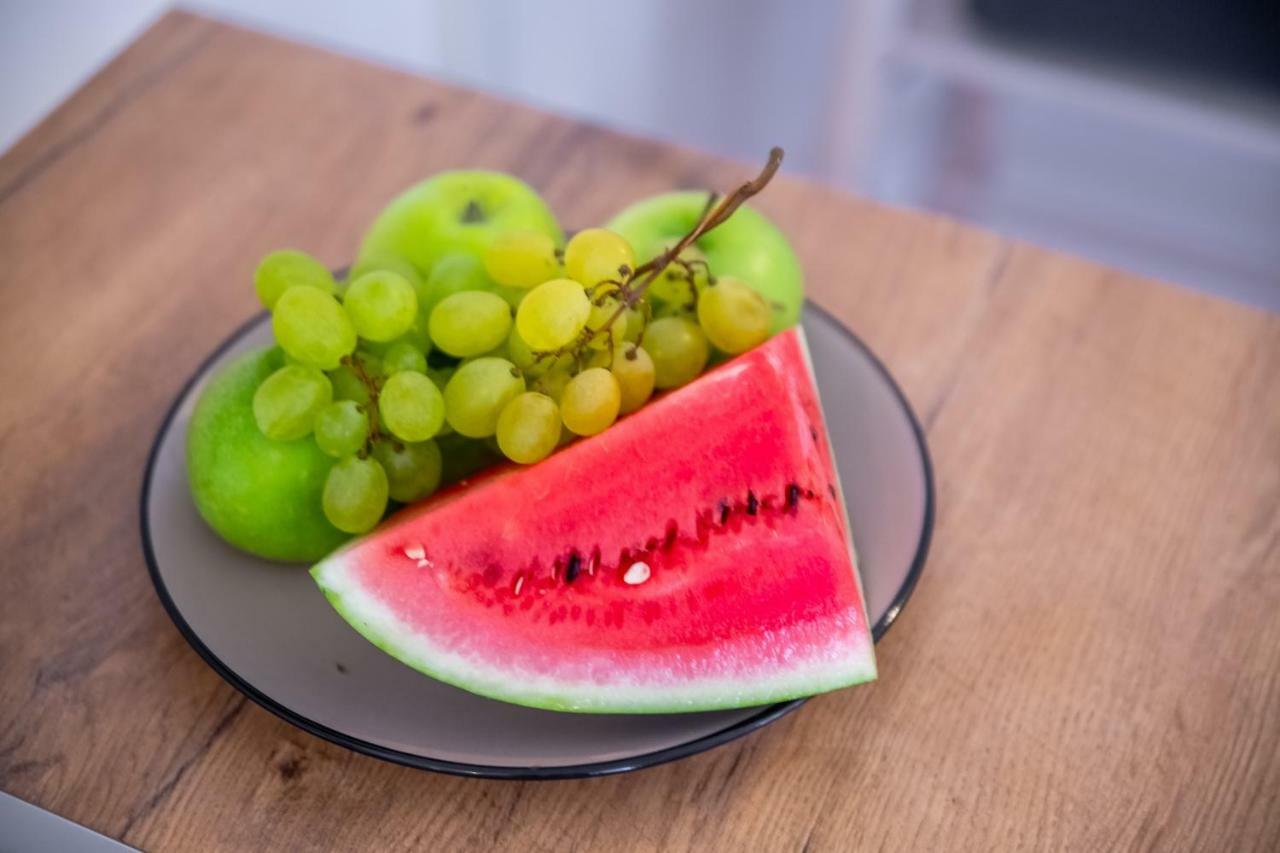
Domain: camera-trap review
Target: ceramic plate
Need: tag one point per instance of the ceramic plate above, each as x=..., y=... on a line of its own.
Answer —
x=266, y=628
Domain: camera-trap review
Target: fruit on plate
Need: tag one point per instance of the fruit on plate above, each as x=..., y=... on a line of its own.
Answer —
x=694, y=556
x=463, y=317
x=747, y=247
x=259, y=494
x=459, y=211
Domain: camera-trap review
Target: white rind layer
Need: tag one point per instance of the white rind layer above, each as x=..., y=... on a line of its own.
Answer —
x=611, y=690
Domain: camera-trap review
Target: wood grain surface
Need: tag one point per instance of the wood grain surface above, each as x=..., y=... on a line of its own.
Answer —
x=1090, y=661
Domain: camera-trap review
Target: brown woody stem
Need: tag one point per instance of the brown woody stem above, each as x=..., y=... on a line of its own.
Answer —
x=716, y=213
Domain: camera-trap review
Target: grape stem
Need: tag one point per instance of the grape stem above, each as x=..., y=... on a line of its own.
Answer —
x=375, y=432
x=717, y=211
x=714, y=215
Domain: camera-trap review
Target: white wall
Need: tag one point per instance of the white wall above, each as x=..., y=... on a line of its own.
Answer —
x=732, y=76
x=49, y=47
x=867, y=94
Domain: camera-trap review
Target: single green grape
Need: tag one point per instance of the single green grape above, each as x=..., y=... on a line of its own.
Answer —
x=384, y=263
x=597, y=358
x=440, y=376
x=528, y=428
x=530, y=363
x=477, y=393
x=470, y=323
x=603, y=309
x=341, y=428
x=287, y=402
x=374, y=348
x=417, y=337
x=594, y=255
x=552, y=382
x=513, y=296
x=521, y=354
x=633, y=368
x=413, y=468
x=500, y=351
x=454, y=273
x=382, y=305
x=673, y=309
x=348, y=386
x=288, y=268
x=553, y=314
x=635, y=324
x=734, y=315
x=370, y=363
x=678, y=283
x=347, y=382
x=401, y=356
x=355, y=494
x=678, y=348
x=591, y=401
x=522, y=259
x=411, y=406
x=419, y=333
x=311, y=326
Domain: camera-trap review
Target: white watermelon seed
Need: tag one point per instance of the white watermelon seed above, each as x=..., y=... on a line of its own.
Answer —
x=519, y=584
x=415, y=552
x=638, y=573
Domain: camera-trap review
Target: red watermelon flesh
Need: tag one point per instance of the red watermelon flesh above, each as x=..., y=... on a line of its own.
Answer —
x=694, y=556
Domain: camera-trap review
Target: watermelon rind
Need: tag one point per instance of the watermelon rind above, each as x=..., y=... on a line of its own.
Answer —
x=842, y=665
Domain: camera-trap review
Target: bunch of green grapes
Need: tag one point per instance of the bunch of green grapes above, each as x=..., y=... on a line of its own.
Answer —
x=355, y=381
x=595, y=336
x=525, y=348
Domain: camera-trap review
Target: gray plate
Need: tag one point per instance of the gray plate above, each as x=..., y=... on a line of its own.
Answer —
x=266, y=628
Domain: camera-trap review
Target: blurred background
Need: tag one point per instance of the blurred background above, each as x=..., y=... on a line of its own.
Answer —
x=1141, y=133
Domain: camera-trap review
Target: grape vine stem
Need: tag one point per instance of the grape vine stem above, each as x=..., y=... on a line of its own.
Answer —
x=716, y=213
x=375, y=431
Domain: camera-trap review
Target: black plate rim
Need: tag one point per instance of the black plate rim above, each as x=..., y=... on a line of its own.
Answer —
x=766, y=716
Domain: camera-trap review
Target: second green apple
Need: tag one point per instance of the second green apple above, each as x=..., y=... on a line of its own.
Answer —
x=747, y=247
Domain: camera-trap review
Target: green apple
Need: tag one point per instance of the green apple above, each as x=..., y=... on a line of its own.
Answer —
x=461, y=211
x=748, y=247
x=260, y=495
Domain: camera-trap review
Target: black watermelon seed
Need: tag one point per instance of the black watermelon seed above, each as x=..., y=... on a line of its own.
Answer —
x=793, y=495
x=813, y=432
x=724, y=511
x=832, y=490
x=753, y=504
x=571, y=571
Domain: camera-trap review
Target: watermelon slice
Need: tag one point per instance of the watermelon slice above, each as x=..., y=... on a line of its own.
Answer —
x=694, y=556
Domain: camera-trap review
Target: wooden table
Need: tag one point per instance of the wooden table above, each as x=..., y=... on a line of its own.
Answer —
x=1091, y=659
